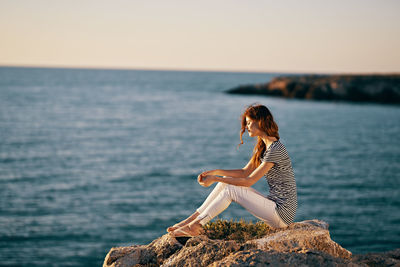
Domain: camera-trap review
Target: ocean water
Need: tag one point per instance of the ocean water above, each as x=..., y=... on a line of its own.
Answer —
x=93, y=159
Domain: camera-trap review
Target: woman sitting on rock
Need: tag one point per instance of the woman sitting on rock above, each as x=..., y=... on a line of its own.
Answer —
x=269, y=158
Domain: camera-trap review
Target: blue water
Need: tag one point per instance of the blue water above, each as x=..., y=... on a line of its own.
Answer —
x=93, y=159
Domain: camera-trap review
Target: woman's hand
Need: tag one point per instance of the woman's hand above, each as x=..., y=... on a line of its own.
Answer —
x=206, y=181
x=204, y=174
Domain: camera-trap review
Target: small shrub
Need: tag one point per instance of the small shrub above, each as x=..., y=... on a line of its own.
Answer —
x=237, y=230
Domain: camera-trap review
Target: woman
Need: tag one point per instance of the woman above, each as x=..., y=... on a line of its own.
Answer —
x=269, y=158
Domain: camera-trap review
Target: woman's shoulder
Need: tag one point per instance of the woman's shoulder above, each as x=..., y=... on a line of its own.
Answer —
x=272, y=148
x=278, y=147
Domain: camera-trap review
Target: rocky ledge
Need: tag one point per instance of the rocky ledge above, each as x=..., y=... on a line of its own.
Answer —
x=356, y=88
x=306, y=243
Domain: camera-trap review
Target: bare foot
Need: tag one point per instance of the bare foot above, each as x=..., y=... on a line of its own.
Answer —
x=174, y=227
x=183, y=223
x=189, y=230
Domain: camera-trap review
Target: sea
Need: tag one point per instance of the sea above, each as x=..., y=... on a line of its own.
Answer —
x=92, y=159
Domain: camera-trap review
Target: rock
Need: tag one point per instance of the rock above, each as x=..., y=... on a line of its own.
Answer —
x=153, y=254
x=202, y=251
x=356, y=88
x=390, y=258
x=264, y=258
x=306, y=243
x=303, y=237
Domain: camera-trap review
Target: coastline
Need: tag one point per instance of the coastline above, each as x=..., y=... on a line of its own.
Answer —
x=374, y=88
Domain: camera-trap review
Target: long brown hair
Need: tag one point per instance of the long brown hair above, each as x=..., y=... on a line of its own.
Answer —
x=266, y=123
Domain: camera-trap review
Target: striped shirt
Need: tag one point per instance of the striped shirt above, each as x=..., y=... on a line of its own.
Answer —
x=280, y=178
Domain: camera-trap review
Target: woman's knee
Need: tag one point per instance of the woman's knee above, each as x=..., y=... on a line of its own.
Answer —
x=221, y=185
x=232, y=191
x=228, y=188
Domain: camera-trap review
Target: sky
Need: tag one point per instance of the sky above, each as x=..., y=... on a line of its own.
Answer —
x=342, y=36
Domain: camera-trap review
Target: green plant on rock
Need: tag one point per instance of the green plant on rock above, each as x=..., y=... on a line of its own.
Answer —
x=237, y=230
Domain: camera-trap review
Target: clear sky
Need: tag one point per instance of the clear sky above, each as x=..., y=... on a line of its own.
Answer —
x=248, y=35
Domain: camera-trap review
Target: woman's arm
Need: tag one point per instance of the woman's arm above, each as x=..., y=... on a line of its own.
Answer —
x=232, y=173
x=239, y=181
x=244, y=172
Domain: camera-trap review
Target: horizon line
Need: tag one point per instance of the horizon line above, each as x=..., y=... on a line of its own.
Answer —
x=77, y=67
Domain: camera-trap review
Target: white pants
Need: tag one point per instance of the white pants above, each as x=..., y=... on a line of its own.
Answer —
x=249, y=198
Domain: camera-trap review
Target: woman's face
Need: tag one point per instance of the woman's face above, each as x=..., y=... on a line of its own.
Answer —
x=252, y=127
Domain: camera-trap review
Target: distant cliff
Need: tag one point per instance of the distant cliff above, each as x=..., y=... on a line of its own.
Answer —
x=305, y=243
x=355, y=88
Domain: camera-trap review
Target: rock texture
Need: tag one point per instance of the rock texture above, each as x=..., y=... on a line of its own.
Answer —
x=302, y=244
x=390, y=258
x=356, y=88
